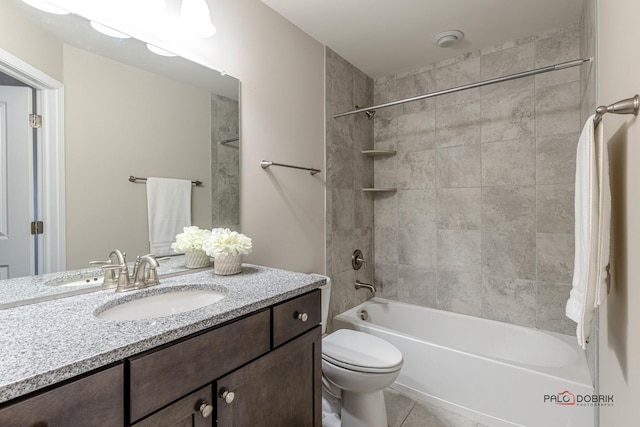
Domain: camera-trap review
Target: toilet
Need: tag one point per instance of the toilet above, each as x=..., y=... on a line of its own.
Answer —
x=356, y=367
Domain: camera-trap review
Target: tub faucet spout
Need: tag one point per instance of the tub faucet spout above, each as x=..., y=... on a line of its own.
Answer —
x=360, y=285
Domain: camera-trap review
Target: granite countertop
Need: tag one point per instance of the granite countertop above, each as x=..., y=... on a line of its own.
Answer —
x=45, y=287
x=44, y=343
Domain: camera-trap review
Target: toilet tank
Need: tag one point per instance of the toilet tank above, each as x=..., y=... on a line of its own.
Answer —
x=326, y=297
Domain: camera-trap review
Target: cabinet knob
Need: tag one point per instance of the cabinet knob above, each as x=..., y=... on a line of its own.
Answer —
x=205, y=409
x=301, y=316
x=227, y=395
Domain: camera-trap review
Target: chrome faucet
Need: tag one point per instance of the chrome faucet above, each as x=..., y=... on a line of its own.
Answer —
x=360, y=285
x=140, y=278
x=110, y=278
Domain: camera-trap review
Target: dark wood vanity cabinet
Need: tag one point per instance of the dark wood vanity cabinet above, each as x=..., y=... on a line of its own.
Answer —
x=264, y=370
x=282, y=388
x=261, y=370
x=94, y=400
x=194, y=410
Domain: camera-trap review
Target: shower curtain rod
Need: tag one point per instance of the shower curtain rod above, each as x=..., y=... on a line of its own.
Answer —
x=371, y=110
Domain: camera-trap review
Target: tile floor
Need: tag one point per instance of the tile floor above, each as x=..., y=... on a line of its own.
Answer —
x=403, y=411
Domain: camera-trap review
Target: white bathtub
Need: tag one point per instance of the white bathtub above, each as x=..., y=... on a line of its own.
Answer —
x=493, y=372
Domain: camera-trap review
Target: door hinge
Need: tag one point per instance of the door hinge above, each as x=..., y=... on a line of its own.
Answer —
x=35, y=121
x=37, y=227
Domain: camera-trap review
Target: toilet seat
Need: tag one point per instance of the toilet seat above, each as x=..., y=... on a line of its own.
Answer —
x=361, y=352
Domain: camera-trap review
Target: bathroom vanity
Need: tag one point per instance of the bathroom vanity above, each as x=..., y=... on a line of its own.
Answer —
x=253, y=358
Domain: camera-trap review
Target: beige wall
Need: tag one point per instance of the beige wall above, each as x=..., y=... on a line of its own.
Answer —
x=617, y=78
x=122, y=121
x=282, y=119
x=25, y=40
x=281, y=70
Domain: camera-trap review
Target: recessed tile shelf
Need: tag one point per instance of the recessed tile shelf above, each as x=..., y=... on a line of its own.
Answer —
x=374, y=153
x=379, y=190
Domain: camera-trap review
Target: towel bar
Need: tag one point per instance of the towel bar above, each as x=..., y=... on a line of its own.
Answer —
x=137, y=179
x=266, y=163
x=624, y=106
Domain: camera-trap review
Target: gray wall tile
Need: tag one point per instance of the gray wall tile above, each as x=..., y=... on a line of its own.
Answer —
x=550, y=310
x=458, y=166
x=458, y=124
x=509, y=300
x=459, y=208
x=459, y=250
x=460, y=292
x=509, y=254
x=558, y=109
x=555, y=256
x=485, y=181
x=509, y=162
x=556, y=159
x=416, y=169
x=416, y=207
x=555, y=206
x=509, y=209
x=508, y=116
x=416, y=285
x=417, y=246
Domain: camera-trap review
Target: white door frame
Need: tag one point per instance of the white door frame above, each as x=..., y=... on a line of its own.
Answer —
x=50, y=104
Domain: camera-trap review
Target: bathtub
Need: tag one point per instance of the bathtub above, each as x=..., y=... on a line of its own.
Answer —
x=492, y=372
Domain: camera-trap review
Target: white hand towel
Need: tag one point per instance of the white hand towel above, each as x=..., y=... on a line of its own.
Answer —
x=592, y=231
x=169, y=211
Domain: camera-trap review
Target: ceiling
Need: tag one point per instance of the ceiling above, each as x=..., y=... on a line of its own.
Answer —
x=383, y=37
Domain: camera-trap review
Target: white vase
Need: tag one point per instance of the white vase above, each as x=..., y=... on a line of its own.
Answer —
x=197, y=259
x=226, y=265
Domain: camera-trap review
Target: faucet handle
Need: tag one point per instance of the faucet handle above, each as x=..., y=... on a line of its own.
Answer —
x=123, y=277
x=109, y=280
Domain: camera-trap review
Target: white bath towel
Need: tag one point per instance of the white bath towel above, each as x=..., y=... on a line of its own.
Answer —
x=592, y=229
x=169, y=211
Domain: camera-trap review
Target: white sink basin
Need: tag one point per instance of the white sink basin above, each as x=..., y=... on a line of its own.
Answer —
x=161, y=305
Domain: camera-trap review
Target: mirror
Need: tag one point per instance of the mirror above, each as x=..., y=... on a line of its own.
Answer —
x=128, y=112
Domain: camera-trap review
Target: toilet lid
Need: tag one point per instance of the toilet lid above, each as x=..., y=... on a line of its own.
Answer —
x=360, y=352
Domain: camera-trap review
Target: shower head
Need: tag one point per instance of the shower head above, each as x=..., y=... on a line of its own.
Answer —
x=369, y=113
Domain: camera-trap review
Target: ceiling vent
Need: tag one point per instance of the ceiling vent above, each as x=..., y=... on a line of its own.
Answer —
x=447, y=38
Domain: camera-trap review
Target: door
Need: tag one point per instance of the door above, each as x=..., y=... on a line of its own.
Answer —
x=16, y=242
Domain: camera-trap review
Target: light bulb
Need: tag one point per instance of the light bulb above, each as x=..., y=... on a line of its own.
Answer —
x=159, y=51
x=108, y=31
x=195, y=17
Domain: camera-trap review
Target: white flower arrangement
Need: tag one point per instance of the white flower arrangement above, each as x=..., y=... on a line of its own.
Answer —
x=191, y=239
x=226, y=242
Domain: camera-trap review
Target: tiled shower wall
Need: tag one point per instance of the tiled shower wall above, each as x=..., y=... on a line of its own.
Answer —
x=225, y=163
x=349, y=213
x=482, y=222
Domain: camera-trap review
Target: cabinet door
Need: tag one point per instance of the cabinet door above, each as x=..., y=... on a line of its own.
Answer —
x=282, y=388
x=92, y=401
x=194, y=410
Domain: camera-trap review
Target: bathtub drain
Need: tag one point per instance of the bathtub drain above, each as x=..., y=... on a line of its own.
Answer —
x=362, y=314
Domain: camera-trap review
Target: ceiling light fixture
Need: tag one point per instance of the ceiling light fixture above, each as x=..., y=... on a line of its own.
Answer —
x=159, y=51
x=196, y=19
x=45, y=6
x=448, y=38
x=107, y=31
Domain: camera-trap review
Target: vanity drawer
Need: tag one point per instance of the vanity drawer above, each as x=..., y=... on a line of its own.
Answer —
x=194, y=410
x=296, y=316
x=94, y=400
x=160, y=377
